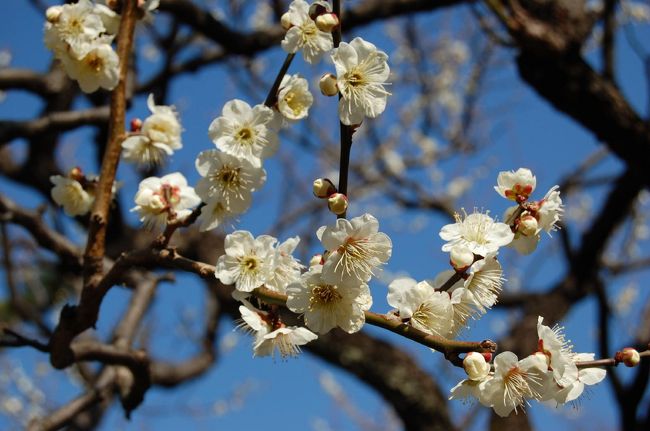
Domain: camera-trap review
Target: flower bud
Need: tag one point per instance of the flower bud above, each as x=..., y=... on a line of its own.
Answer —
x=285, y=21
x=475, y=366
x=76, y=174
x=327, y=85
x=316, y=259
x=338, y=203
x=136, y=125
x=52, y=14
x=327, y=22
x=461, y=257
x=629, y=356
x=528, y=225
x=487, y=356
x=323, y=188
x=318, y=8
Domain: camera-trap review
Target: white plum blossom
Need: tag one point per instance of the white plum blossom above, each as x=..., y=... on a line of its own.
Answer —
x=550, y=210
x=361, y=71
x=214, y=213
x=326, y=306
x=484, y=282
x=468, y=390
x=267, y=338
x=586, y=376
x=303, y=35
x=286, y=269
x=70, y=194
x=541, y=215
x=72, y=29
x=515, y=382
x=478, y=232
x=245, y=132
x=228, y=179
x=558, y=351
x=465, y=308
x=161, y=200
x=98, y=68
x=159, y=137
x=512, y=184
x=356, y=248
x=252, y=321
x=286, y=340
x=294, y=98
x=248, y=261
x=427, y=309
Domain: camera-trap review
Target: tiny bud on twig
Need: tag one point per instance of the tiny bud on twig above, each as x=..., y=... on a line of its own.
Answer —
x=52, y=14
x=629, y=356
x=328, y=85
x=136, y=125
x=323, y=188
x=319, y=8
x=285, y=21
x=338, y=203
x=327, y=22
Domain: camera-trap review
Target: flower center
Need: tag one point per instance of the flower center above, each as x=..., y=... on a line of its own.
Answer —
x=94, y=62
x=249, y=263
x=324, y=295
x=229, y=177
x=244, y=135
x=355, y=78
x=356, y=257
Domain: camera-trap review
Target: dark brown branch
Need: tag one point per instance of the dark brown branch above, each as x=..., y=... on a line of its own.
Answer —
x=53, y=122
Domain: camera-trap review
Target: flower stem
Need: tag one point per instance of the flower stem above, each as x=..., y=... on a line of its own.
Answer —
x=441, y=344
x=345, y=131
x=272, y=97
x=608, y=362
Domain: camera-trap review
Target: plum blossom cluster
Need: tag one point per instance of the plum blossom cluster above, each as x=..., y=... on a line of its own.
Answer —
x=249, y=263
x=160, y=201
x=155, y=139
x=510, y=383
x=75, y=192
x=528, y=218
x=332, y=293
x=80, y=36
x=361, y=69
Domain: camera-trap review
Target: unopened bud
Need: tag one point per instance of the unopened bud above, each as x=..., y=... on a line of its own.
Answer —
x=52, y=14
x=327, y=85
x=316, y=259
x=528, y=225
x=475, y=366
x=285, y=21
x=114, y=4
x=461, y=257
x=327, y=22
x=487, y=356
x=629, y=356
x=323, y=188
x=318, y=8
x=136, y=125
x=338, y=203
x=76, y=174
